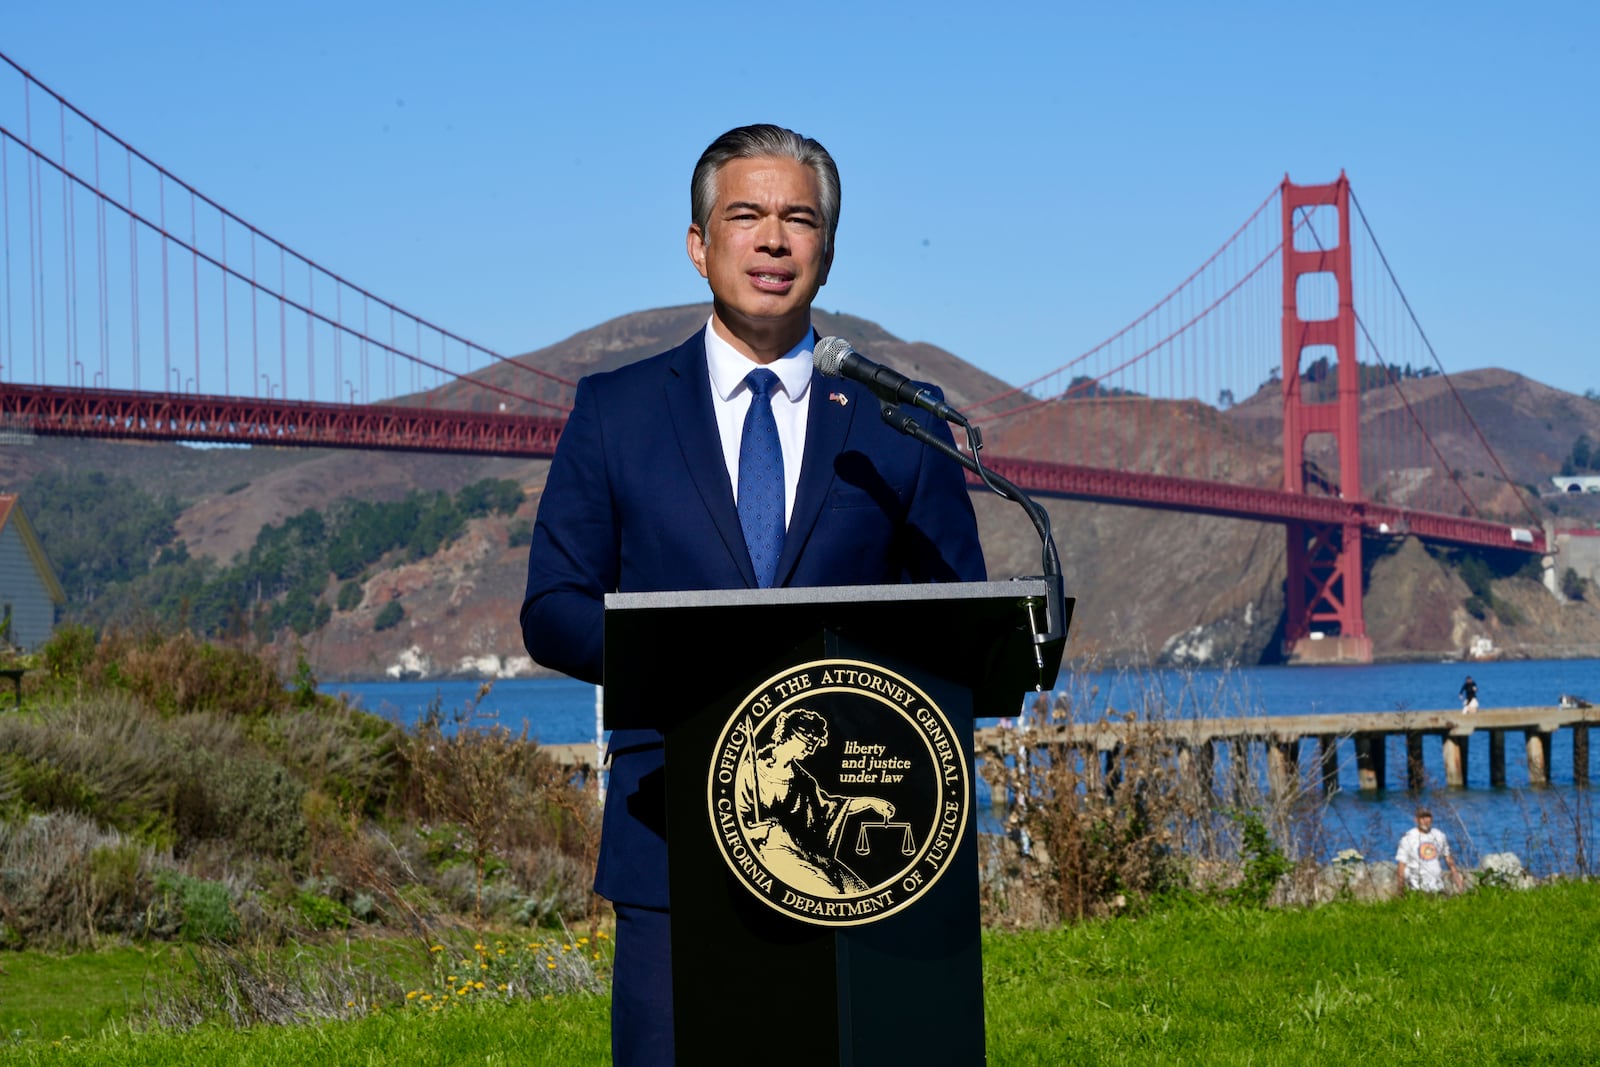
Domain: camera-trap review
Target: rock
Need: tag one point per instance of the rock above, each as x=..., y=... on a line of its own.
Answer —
x=1505, y=870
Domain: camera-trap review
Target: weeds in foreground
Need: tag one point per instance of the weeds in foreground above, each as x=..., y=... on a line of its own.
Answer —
x=1110, y=808
x=159, y=787
x=270, y=986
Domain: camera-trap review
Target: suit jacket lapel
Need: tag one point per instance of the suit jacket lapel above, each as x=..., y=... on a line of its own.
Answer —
x=688, y=391
x=827, y=426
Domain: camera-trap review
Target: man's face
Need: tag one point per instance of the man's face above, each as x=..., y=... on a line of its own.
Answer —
x=763, y=247
x=1425, y=823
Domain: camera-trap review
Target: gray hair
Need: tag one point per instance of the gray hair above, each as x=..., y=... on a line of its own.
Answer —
x=764, y=141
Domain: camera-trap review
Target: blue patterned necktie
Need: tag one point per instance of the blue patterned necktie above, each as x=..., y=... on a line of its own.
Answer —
x=761, y=479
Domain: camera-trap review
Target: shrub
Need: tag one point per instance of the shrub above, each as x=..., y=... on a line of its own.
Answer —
x=256, y=804
x=1573, y=587
x=1265, y=865
x=66, y=656
x=351, y=594
x=1095, y=832
x=64, y=882
x=180, y=673
x=204, y=908
x=497, y=801
x=389, y=617
x=319, y=912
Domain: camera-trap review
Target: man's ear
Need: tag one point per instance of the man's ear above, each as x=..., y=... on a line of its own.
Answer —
x=695, y=245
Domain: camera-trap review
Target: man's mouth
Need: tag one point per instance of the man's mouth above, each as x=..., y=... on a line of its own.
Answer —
x=772, y=281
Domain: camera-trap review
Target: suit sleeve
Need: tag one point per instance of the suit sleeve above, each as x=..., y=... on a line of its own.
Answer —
x=574, y=560
x=940, y=536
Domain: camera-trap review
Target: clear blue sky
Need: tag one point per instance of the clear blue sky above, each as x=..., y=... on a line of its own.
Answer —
x=1020, y=180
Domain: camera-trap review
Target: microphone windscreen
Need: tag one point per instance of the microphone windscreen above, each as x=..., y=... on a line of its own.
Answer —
x=828, y=357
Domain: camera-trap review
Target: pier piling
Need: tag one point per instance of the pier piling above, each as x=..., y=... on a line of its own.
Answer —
x=1455, y=760
x=1283, y=766
x=1371, y=759
x=1538, y=744
x=1416, y=777
x=1328, y=759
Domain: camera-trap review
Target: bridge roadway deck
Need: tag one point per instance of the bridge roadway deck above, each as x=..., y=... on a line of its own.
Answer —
x=1106, y=736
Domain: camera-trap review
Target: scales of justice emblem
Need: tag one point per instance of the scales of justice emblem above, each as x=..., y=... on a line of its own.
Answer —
x=838, y=792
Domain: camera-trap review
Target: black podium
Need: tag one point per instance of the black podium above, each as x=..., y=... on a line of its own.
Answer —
x=822, y=845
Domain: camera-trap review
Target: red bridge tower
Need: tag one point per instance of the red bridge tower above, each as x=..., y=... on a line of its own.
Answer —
x=1325, y=621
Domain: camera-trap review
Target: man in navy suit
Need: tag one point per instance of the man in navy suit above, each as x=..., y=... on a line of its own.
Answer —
x=647, y=492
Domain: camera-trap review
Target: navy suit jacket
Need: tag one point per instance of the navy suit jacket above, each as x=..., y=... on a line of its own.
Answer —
x=638, y=500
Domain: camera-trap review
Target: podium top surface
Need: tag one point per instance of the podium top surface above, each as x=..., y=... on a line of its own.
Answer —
x=828, y=594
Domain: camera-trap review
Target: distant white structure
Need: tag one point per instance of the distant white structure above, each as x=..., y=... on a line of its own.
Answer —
x=1577, y=483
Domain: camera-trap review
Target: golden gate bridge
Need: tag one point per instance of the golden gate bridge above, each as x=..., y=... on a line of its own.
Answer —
x=1266, y=386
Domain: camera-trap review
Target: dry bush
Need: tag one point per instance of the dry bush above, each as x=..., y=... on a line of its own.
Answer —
x=65, y=882
x=173, y=781
x=503, y=797
x=276, y=813
x=1098, y=829
x=169, y=673
x=349, y=755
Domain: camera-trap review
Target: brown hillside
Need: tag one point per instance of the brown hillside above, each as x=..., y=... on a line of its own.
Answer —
x=1150, y=585
x=1530, y=427
x=633, y=337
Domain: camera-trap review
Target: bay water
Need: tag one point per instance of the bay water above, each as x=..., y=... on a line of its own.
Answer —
x=1551, y=828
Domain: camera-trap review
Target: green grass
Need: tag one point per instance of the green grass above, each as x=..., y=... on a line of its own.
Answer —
x=567, y=1031
x=1493, y=977
x=1489, y=978
x=44, y=995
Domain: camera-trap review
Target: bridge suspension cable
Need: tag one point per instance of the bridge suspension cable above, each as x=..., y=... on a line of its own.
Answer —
x=209, y=322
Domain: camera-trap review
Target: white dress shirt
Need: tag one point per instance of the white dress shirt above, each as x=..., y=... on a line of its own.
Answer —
x=730, y=399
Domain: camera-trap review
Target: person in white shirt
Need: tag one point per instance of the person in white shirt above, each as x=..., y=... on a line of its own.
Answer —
x=1422, y=856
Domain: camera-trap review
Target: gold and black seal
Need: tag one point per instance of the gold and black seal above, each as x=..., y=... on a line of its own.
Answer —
x=838, y=792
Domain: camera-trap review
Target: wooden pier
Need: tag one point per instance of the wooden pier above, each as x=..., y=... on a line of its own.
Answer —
x=1194, y=742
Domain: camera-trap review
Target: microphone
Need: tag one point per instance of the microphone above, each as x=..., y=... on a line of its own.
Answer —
x=836, y=359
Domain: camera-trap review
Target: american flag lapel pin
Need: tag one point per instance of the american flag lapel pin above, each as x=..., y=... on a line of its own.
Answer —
x=840, y=399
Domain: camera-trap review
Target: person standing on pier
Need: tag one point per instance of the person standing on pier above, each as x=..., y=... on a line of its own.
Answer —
x=1419, y=858
x=1469, y=695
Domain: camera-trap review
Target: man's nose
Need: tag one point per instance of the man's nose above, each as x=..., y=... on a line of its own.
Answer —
x=770, y=236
